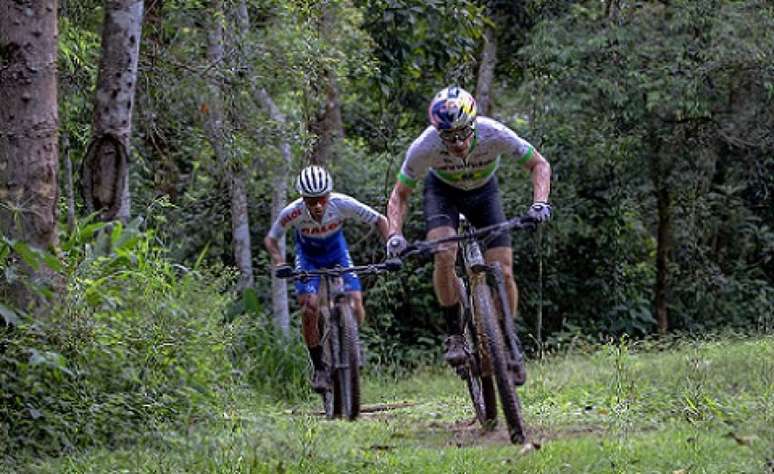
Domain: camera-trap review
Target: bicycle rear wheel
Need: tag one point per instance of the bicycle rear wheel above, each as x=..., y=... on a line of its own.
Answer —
x=348, y=373
x=493, y=339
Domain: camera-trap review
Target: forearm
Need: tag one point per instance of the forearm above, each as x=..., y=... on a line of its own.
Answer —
x=396, y=210
x=541, y=181
x=272, y=246
x=383, y=226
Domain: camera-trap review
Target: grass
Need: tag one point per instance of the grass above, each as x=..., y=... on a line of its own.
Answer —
x=697, y=407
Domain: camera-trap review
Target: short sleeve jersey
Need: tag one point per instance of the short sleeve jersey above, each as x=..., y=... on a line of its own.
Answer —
x=491, y=141
x=317, y=237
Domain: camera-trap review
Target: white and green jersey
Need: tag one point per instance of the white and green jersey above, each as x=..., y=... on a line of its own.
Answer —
x=491, y=141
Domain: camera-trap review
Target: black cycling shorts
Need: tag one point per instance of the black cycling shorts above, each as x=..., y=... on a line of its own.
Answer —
x=482, y=206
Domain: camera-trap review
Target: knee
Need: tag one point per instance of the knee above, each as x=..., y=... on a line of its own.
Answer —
x=309, y=307
x=444, y=261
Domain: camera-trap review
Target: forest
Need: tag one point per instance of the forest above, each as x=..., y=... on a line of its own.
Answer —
x=146, y=147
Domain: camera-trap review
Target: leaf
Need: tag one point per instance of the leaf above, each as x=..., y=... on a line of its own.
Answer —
x=251, y=300
x=201, y=256
x=26, y=253
x=52, y=261
x=9, y=315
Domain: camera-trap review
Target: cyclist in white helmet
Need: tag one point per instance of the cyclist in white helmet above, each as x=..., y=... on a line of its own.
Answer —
x=317, y=218
x=458, y=155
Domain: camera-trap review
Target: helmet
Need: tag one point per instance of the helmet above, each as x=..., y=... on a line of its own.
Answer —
x=452, y=108
x=314, y=181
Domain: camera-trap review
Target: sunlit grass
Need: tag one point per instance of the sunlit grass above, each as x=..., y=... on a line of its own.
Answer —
x=705, y=407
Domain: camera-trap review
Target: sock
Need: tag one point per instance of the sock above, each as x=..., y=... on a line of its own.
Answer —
x=452, y=316
x=316, y=354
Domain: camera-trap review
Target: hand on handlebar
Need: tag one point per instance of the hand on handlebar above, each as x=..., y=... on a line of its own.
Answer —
x=396, y=244
x=540, y=211
x=283, y=271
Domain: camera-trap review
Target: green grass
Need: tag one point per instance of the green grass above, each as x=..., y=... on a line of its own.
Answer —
x=702, y=407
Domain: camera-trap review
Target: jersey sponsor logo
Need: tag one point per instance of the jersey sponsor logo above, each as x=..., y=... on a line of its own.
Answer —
x=321, y=229
x=466, y=166
x=291, y=217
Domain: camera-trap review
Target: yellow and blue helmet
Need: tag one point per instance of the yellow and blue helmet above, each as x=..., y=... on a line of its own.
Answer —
x=452, y=108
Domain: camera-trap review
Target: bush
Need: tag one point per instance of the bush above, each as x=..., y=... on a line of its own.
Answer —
x=135, y=341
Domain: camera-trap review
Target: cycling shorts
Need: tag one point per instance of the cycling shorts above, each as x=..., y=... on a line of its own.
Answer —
x=337, y=254
x=482, y=206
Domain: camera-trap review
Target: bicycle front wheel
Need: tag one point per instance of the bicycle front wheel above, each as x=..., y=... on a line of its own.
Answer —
x=478, y=375
x=494, y=344
x=348, y=371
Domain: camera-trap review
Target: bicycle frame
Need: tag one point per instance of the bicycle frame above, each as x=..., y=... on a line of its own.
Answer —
x=494, y=350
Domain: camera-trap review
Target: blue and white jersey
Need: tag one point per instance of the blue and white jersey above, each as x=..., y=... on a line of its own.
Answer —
x=318, y=238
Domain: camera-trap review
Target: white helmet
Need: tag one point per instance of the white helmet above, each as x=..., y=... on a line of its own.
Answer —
x=314, y=181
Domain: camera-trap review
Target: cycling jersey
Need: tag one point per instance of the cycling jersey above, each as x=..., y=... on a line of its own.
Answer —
x=491, y=140
x=322, y=244
x=319, y=238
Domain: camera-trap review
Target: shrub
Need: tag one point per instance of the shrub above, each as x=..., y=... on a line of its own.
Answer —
x=135, y=341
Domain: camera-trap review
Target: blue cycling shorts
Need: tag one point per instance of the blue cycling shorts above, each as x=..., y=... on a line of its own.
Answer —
x=336, y=254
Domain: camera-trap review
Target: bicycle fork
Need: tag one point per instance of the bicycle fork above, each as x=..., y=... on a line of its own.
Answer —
x=478, y=266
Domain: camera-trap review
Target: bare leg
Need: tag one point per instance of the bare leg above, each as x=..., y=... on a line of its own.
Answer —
x=445, y=281
x=309, y=326
x=356, y=300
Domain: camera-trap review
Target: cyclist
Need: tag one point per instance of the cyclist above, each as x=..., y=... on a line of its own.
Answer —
x=462, y=152
x=317, y=217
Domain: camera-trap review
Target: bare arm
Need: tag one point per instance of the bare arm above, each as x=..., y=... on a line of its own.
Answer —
x=272, y=246
x=397, y=207
x=540, y=170
x=383, y=226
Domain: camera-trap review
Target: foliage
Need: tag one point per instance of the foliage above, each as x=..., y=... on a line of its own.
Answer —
x=629, y=105
x=626, y=406
x=135, y=341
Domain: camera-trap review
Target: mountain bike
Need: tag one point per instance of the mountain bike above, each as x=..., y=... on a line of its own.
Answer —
x=494, y=351
x=339, y=336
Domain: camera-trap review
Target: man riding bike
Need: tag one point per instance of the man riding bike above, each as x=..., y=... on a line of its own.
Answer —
x=462, y=152
x=317, y=217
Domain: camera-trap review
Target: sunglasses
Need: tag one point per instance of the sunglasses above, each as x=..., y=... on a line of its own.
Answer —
x=458, y=135
x=314, y=201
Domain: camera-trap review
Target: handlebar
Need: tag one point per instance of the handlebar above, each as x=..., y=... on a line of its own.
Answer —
x=390, y=265
x=423, y=246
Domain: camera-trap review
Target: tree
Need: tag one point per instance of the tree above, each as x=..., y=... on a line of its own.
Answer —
x=486, y=68
x=279, y=286
x=104, y=172
x=216, y=129
x=28, y=132
x=326, y=123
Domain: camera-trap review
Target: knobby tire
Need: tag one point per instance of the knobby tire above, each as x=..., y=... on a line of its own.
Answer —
x=479, y=381
x=493, y=337
x=349, y=372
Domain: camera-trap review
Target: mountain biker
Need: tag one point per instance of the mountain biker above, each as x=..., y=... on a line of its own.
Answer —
x=458, y=155
x=317, y=218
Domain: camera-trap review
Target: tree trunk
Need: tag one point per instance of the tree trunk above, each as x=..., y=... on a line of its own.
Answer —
x=327, y=125
x=279, y=286
x=29, y=120
x=660, y=176
x=486, y=71
x=215, y=128
x=104, y=174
